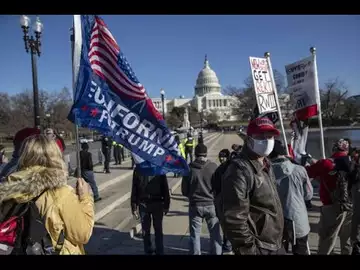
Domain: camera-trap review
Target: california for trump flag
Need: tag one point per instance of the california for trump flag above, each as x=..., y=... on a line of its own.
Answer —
x=109, y=98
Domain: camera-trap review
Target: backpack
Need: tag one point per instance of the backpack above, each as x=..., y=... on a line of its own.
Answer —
x=23, y=232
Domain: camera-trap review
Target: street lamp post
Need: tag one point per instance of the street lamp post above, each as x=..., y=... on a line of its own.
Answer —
x=47, y=117
x=162, y=93
x=34, y=44
x=201, y=121
x=189, y=108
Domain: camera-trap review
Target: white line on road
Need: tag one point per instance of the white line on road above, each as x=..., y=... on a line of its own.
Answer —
x=137, y=228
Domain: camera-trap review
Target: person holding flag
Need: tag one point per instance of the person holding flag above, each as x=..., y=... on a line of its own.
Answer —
x=109, y=98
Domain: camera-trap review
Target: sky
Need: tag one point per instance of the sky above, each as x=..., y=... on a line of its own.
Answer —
x=167, y=51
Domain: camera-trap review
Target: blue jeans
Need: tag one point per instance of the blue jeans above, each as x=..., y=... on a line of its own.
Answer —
x=90, y=179
x=196, y=216
x=154, y=211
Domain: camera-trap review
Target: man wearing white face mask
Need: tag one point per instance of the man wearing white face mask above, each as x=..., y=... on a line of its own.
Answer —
x=253, y=217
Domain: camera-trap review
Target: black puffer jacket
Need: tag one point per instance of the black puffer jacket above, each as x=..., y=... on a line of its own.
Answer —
x=252, y=211
x=149, y=189
x=342, y=194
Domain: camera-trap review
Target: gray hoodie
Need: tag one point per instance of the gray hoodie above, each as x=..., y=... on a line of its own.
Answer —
x=294, y=187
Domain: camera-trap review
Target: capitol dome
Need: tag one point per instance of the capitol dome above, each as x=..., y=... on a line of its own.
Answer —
x=207, y=81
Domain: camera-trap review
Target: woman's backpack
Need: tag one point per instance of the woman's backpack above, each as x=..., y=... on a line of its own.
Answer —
x=23, y=232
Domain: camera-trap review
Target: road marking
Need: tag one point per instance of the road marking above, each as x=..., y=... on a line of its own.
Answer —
x=137, y=229
x=107, y=209
x=114, y=181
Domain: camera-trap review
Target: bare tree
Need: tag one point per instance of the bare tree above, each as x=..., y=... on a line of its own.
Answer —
x=352, y=109
x=59, y=106
x=5, y=113
x=333, y=96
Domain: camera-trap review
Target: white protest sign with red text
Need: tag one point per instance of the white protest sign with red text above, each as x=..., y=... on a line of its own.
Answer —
x=264, y=91
x=301, y=83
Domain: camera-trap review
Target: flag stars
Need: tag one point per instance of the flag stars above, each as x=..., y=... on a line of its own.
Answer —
x=94, y=112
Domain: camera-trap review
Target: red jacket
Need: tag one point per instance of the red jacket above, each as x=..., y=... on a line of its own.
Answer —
x=321, y=170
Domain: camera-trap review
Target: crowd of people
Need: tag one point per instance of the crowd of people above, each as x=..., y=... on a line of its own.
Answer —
x=254, y=203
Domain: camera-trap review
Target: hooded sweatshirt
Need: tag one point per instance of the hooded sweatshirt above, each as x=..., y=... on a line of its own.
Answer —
x=197, y=185
x=294, y=188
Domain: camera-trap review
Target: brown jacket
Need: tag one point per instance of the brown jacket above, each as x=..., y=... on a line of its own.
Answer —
x=252, y=210
x=61, y=208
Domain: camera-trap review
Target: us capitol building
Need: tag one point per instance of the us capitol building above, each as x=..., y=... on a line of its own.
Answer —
x=208, y=97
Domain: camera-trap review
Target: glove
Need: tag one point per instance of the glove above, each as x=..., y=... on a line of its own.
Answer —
x=166, y=211
x=134, y=211
x=136, y=215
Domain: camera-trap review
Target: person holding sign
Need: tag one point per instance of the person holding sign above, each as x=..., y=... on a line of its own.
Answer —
x=252, y=213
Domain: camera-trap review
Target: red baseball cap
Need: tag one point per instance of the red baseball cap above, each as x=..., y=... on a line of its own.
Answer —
x=262, y=125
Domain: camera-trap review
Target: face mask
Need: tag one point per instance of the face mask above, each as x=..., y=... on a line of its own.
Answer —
x=262, y=147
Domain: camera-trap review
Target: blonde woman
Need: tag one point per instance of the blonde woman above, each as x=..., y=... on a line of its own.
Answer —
x=42, y=171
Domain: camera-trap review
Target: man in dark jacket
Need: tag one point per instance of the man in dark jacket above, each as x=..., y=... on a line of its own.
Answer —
x=198, y=189
x=253, y=217
x=87, y=171
x=151, y=197
x=224, y=158
x=294, y=188
x=336, y=212
x=106, y=144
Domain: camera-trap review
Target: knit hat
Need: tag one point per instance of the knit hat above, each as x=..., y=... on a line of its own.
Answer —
x=201, y=150
x=24, y=133
x=341, y=145
x=224, y=153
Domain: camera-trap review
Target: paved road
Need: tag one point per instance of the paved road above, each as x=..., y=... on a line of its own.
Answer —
x=111, y=239
x=113, y=214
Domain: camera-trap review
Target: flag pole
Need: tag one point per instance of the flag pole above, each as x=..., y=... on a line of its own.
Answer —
x=318, y=101
x=267, y=56
x=77, y=143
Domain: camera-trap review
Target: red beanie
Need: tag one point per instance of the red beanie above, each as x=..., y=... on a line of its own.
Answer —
x=24, y=133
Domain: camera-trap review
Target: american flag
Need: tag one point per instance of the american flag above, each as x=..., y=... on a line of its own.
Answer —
x=109, y=63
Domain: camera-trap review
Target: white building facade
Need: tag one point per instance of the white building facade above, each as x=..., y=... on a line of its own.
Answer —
x=208, y=97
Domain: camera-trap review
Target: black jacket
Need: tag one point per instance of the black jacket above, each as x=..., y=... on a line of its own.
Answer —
x=344, y=169
x=86, y=161
x=197, y=185
x=148, y=189
x=106, y=144
x=252, y=210
x=217, y=177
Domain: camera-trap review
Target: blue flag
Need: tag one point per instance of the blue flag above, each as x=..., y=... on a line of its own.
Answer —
x=110, y=99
